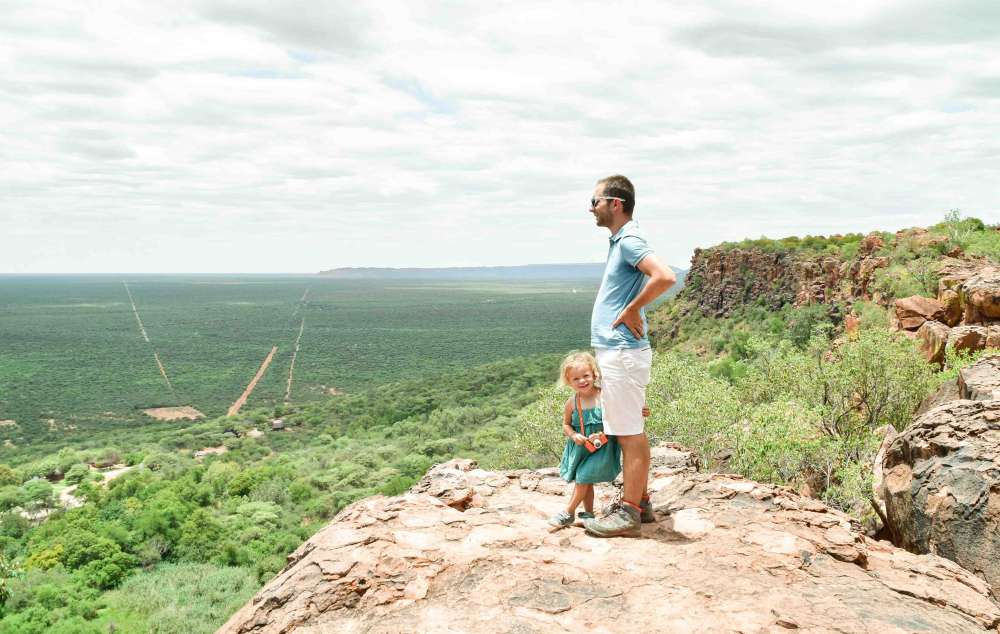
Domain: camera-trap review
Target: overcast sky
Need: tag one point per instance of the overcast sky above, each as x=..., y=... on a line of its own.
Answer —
x=249, y=136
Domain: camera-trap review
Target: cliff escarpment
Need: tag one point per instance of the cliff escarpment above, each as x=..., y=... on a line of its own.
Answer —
x=724, y=278
x=834, y=272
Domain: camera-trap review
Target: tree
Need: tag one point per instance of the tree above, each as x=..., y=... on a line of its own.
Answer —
x=8, y=476
x=201, y=537
x=38, y=493
x=77, y=473
x=10, y=497
x=7, y=573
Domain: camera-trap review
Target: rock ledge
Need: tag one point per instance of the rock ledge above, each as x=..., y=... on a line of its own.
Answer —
x=469, y=550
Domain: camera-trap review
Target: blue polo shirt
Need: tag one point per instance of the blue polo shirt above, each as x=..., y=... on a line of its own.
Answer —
x=622, y=282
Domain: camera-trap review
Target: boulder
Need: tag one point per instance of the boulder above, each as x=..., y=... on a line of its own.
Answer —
x=725, y=555
x=981, y=380
x=952, y=303
x=942, y=486
x=945, y=393
x=982, y=296
x=969, y=338
x=933, y=336
x=913, y=311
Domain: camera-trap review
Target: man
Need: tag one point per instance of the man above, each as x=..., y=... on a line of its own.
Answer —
x=618, y=335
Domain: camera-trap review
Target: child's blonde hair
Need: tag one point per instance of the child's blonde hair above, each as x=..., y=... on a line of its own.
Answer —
x=574, y=359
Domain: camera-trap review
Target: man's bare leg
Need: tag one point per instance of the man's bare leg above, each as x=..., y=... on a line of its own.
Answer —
x=635, y=467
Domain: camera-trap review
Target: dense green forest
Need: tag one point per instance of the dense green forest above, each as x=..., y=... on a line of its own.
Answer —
x=75, y=360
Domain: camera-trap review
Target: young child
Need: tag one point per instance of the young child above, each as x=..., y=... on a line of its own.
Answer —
x=579, y=371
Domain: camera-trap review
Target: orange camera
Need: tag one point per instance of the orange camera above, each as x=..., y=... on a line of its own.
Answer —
x=595, y=443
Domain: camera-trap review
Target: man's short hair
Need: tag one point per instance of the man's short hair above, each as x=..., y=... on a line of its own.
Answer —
x=620, y=187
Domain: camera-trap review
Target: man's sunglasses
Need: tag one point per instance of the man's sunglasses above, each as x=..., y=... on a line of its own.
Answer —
x=593, y=201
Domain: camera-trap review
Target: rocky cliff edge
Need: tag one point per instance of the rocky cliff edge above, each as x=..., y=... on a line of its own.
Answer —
x=468, y=550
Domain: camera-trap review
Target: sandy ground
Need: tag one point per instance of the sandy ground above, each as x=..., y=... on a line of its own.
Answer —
x=207, y=451
x=174, y=413
x=68, y=500
x=235, y=407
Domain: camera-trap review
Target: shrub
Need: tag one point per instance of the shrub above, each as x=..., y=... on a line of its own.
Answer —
x=77, y=473
x=537, y=437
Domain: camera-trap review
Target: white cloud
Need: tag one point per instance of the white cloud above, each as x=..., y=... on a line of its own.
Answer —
x=211, y=135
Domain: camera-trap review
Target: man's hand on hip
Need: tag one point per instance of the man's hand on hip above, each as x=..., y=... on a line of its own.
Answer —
x=632, y=320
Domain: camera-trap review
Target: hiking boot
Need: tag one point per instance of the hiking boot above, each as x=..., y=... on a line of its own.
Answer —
x=647, y=516
x=561, y=519
x=625, y=522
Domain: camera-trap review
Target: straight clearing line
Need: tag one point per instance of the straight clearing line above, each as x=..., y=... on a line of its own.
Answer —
x=163, y=372
x=302, y=302
x=295, y=353
x=235, y=407
x=142, y=329
x=135, y=312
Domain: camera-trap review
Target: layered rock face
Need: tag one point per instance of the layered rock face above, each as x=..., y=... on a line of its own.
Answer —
x=942, y=477
x=721, y=280
x=469, y=550
x=965, y=315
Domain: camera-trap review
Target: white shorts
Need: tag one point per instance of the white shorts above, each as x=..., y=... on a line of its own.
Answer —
x=624, y=377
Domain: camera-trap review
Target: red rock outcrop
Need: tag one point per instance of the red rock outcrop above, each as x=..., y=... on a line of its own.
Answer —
x=723, y=279
x=725, y=555
x=912, y=312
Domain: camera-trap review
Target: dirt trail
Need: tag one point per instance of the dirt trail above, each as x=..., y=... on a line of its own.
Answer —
x=235, y=407
x=142, y=329
x=302, y=302
x=135, y=311
x=70, y=501
x=163, y=371
x=295, y=353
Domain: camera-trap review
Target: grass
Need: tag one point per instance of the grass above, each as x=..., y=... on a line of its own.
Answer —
x=185, y=597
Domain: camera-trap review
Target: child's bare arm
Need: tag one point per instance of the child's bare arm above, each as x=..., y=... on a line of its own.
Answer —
x=568, y=422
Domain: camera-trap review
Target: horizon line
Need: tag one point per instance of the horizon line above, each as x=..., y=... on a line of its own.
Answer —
x=299, y=273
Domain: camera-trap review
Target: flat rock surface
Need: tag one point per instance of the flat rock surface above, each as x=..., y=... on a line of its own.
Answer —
x=981, y=380
x=473, y=553
x=942, y=486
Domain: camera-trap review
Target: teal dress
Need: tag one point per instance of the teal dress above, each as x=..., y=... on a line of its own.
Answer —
x=579, y=465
